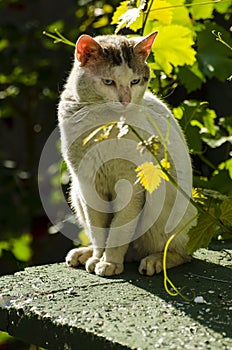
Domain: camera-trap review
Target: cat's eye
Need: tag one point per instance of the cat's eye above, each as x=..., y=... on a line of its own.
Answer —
x=135, y=81
x=108, y=81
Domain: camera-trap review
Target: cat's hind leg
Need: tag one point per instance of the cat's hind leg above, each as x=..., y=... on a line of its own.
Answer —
x=78, y=256
x=153, y=264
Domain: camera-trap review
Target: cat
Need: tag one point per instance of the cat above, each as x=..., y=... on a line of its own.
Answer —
x=110, y=71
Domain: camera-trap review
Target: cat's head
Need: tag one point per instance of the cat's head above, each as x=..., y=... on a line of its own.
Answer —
x=112, y=68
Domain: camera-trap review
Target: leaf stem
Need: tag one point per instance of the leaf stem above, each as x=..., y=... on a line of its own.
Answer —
x=189, y=5
x=219, y=38
x=59, y=38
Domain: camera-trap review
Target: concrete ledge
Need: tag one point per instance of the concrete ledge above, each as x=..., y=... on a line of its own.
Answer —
x=62, y=308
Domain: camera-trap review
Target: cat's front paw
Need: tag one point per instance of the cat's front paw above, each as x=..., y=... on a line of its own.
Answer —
x=91, y=264
x=150, y=265
x=78, y=256
x=104, y=268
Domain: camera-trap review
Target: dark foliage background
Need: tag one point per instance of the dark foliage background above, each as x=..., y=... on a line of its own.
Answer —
x=32, y=72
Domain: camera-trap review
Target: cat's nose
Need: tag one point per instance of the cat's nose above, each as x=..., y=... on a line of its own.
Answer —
x=125, y=103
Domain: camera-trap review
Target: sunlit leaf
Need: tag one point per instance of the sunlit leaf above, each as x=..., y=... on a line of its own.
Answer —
x=208, y=119
x=83, y=238
x=102, y=22
x=150, y=175
x=222, y=7
x=201, y=11
x=127, y=16
x=216, y=142
x=160, y=13
x=198, y=195
x=227, y=165
x=180, y=14
x=173, y=47
x=21, y=247
x=120, y=10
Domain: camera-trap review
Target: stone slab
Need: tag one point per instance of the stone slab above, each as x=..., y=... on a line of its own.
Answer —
x=57, y=307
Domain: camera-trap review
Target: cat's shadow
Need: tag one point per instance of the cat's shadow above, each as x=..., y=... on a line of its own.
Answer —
x=211, y=281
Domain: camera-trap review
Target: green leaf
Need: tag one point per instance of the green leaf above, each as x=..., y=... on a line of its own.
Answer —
x=57, y=25
x=226, y=123
x=208, y=119
x=173, y=47
x=226, y=212
x=222, y=7
x=216, y=142
x=227, y=165
x=201, y=235
x=21, y=247
x=3, y=44
x=193, y=139
x=191, y=77
x=201, y=11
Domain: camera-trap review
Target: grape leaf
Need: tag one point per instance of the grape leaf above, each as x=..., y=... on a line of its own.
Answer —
x=180, y=14
x=222, y=7
x=191, y=77
x=226, y=211
x=150, y=175
x=173, y=47
x=201, y=235
x=160, y=13
x=201, y=11
x=129, y=17
x=120, y=10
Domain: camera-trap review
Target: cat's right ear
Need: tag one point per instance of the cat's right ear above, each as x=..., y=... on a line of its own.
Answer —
x=86, y=49
x=143, y=47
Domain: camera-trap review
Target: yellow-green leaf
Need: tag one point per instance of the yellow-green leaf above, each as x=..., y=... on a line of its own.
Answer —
x=180, y=14
x=150, y=176
x=120, y=10
x=161, y=11
x=173, y=47
x=128, y=16
x=83, y=238
x=203, y=11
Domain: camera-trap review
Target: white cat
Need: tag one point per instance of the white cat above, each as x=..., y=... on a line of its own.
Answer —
x=109, y=79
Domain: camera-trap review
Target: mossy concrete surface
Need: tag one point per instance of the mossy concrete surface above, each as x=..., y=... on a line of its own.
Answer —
x=63, y=308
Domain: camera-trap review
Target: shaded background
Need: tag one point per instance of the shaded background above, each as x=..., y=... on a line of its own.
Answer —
x=32, y=73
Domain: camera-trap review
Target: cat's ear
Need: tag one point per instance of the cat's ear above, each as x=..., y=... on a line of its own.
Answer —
x=143, y=47
x=86, y=49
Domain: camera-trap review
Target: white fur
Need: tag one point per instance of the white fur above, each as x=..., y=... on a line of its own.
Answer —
x=114, y=225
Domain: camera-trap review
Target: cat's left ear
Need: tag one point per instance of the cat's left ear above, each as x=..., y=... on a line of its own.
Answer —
x=143, y=47
x=87, y=49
